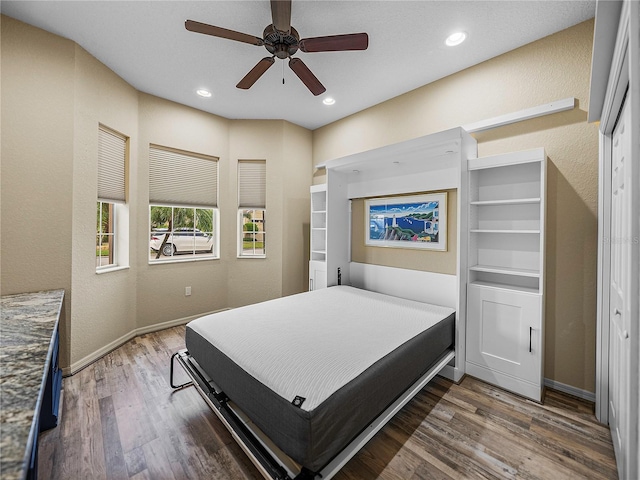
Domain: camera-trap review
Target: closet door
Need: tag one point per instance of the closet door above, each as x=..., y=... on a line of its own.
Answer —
x=619, y=315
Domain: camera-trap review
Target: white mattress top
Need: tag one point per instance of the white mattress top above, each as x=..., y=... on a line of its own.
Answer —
x=310, y=345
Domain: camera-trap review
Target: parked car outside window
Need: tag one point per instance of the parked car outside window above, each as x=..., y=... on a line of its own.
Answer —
x=182, y=240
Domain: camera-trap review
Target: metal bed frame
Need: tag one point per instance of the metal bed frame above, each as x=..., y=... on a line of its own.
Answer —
x=265, y=458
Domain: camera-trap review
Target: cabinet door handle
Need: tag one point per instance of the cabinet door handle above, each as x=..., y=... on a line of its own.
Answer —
x=311, y=284
x=530, y=333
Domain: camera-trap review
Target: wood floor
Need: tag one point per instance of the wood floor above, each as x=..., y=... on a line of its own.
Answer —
x=122, y=420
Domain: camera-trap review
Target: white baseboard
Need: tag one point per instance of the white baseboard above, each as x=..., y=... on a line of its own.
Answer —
x=568, y=389
x=89, y=359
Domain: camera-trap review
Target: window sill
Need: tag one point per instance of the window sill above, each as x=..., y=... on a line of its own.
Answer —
x=251, y=256
x=114, y=268
x=182, y=260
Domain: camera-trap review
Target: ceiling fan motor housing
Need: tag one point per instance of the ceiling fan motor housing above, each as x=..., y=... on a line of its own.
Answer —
x=280, y=44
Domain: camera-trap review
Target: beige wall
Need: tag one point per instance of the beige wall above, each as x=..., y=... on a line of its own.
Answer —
x=37, y=164
x=552, y=68
x=296, y=180
x=431, y=261
x=103, y=307
x=54, y=96
x=160, y=293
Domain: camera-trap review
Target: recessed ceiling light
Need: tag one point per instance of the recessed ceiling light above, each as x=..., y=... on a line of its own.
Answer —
x=455, y=39
x=328, y=101
x=203, y=93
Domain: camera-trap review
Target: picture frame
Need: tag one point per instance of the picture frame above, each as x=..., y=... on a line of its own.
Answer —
x=416, y=221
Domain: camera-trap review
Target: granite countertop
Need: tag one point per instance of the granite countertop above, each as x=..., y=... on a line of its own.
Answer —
x=27, y=324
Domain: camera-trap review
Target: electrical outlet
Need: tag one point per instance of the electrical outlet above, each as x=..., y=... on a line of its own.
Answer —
x=187, y=291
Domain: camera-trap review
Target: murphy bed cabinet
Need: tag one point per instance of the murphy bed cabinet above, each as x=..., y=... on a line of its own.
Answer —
x=433, y=162
x=505, y=294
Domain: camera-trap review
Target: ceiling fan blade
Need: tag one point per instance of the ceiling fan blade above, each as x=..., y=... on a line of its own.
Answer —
x=255, y=73
x=308, y=78
x=335, y=43
x=281, y=15
x=222, y=33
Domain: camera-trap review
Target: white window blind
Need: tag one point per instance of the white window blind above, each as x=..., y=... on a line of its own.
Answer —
x=182, y=178
x=111, y=165
x=252, y=183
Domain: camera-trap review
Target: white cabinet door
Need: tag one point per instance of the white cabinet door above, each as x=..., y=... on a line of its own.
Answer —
x=619, y=315
x=317, y=275
x=504, y=338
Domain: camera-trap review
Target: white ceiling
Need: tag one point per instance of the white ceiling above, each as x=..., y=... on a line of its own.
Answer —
x=146, y=44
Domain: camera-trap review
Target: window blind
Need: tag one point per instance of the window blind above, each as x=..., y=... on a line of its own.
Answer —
x=182, y=178
x=252, y=183
x=111, y=165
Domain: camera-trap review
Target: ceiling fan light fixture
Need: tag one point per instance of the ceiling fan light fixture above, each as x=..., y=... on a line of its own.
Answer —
x=282, y=41
x=456, y=39
x=329, y=101
x=203, y=93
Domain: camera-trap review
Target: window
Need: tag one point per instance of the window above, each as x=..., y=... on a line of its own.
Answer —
x=182, y=231
x=111, y=245
x=183, y=199
x=105, y=238
x=251, y=208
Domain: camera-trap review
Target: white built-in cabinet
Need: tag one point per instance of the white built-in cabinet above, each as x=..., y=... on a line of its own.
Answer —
x=505, y=294
x=330, y=233
x=318, y=254
x=432, y=162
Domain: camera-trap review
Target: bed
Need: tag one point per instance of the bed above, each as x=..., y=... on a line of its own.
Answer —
x=302, y=382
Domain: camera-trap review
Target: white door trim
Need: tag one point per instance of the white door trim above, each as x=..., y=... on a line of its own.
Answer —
x=604, y=271
x=616, y=87
x=625, y=71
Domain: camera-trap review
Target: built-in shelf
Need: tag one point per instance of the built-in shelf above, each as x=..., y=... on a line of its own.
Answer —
x=318, y=247
x=505, y=318
x=505, y=286
x=511, y=201
x=506, y=271
x=319, y=255
x=478, y=230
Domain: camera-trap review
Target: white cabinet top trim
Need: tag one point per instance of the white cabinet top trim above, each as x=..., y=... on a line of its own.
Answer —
x=525, y=156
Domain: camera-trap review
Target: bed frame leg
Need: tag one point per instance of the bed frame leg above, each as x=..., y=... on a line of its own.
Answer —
x=173, y=358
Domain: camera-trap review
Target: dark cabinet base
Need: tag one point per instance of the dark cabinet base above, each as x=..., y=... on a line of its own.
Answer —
x=50, y=406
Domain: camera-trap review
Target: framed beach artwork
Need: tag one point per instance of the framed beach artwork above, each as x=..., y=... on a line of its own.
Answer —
x=418, y=221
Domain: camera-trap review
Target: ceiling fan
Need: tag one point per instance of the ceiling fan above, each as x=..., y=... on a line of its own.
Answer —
x=282, y=40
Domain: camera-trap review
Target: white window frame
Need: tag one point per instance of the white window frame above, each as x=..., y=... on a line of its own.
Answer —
x=242, y=253
x=113, y=163
x=195, y=255
x=252, y=196
x=182, y=179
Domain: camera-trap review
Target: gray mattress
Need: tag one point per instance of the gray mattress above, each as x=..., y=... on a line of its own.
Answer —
x=313, y=370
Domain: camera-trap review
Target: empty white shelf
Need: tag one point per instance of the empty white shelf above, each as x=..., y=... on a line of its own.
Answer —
x=522, y=272
x=510, y=201
x=478, y=230
x=504, y=286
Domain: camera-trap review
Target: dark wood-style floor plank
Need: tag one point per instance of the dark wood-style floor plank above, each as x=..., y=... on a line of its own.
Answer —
x=122, y=420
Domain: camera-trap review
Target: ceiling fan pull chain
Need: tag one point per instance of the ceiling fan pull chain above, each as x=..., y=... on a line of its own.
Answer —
x=283, y=73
